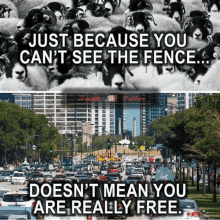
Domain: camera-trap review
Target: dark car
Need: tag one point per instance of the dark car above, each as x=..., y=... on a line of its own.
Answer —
x=128, y=170
x=103, y=167
x=147, y=170
x=135, y=179
x=113, y=177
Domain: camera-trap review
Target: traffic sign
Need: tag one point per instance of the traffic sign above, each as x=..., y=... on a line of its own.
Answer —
x=184, y=165
x=142, y=147
x=34, y=147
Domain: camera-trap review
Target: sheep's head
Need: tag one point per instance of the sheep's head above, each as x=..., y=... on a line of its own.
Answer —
x=213, y=5
x=175, y=10
x=139, y=21
x=36, y=16
x=198, y=27
x=58, y=9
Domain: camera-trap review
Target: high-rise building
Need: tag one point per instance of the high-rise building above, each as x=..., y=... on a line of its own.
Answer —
x=7, y=97
x=68, y=112
x=25, y=100
x=154, y=107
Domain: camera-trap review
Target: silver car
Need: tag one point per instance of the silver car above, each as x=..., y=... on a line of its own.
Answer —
x=5, y=177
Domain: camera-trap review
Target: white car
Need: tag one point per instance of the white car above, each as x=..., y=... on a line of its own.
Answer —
x=138, y=171
x=5, y=177
x=190, y=210
x=18, y=177
x=16, y=199
x=3, y=190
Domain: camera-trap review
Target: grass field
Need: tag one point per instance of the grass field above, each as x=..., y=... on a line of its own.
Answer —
x=205, y=201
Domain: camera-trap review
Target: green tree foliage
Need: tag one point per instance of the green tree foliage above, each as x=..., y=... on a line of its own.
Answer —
x=142, y=140
x=22, y=127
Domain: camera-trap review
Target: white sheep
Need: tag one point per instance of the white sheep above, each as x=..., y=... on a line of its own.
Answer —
x=25, y=6
x=147, y=79
x=9, y=84
x=9, y=24
x=211, y=80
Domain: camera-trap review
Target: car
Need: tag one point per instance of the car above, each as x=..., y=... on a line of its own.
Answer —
x=37, y=177
x=138, y=171
x=135, y=179
x=113, y=177
x=15, y=199
x=190, y=210
x=164, y=174
x=113, y=169
x=103, y=167
x=18, y=177
x=48, y=177
x=28, y=176
x=60, y=178
x=3, y=190
x=23, y=189
x=18, y=213
x=5, y=177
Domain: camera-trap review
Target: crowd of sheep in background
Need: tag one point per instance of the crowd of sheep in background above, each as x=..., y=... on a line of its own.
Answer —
x=20, y=19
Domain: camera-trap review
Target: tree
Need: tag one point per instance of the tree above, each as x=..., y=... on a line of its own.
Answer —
x=22, y=127
x=203, y=125
x=143, y=140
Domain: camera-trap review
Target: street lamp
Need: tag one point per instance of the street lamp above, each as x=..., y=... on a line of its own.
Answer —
x=28, y=138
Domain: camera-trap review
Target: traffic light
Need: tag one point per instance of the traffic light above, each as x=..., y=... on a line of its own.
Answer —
x=108, y=145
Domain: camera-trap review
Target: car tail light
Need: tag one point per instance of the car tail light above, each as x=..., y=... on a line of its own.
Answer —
x=195, y=214
x=89, y=217
x=33, y=205
x=0, y=205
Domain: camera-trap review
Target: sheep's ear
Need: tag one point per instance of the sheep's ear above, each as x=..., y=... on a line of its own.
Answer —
x=5, y=59
x=183, y=9
x=209, y=38
x=129, y=21
x=186, y=24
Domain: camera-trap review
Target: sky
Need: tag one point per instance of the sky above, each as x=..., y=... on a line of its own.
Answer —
x=133, y=110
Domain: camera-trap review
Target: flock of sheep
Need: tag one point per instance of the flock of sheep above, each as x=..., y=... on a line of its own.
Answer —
x=158, y=17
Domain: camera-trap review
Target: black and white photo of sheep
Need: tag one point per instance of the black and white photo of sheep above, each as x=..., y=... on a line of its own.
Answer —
x=20, y=20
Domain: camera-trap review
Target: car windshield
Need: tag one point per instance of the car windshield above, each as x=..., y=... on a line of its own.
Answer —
x=37, y=175
x=186, y=205
x=60, y=176
x=164, y=174
x=16, y=198
x=137, y=171
x=5, y=174
x=18, y=174
x=48, y=176
x=23, y=189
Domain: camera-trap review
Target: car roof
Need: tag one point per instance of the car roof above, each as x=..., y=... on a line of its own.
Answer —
x=14, y=192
